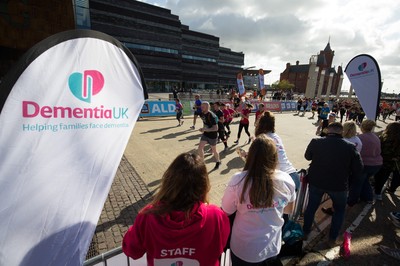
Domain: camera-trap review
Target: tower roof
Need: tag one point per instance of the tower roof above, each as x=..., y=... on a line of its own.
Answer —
x=328, y=47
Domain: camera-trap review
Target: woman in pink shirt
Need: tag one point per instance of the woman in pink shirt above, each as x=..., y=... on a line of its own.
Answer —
x=178, y=227
x=372, y=159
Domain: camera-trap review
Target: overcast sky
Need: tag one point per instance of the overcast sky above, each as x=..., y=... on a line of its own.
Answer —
x=274, y=32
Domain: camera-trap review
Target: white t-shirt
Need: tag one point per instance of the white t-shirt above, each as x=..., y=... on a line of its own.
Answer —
x=257, y=233
x=356, y=141
x=283, y=162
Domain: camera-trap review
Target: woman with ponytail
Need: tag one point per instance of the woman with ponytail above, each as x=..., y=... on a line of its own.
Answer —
x=259, y=195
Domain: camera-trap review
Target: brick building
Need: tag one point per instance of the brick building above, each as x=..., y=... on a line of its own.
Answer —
x=308, y=77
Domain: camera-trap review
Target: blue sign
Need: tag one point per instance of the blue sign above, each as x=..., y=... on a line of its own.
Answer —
x=158, y=108
x=288, y=106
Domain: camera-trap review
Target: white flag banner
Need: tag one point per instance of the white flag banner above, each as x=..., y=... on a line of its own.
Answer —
x=68, y=109
x=240, y=84
x=365, y=77
x=261, y=79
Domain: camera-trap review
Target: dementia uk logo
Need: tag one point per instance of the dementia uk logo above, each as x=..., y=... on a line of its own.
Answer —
x=85, y=85
x=362, y=66
x=363, y=71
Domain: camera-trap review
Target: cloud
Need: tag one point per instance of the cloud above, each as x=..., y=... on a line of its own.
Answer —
x=274, y=32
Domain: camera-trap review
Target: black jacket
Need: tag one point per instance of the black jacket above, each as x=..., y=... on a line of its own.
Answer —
x=335, y=163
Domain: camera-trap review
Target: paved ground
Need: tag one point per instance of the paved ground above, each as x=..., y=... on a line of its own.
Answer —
x=155, y=142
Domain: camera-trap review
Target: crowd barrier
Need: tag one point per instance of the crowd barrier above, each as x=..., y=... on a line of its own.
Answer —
x=167, y=108
x=116, y=257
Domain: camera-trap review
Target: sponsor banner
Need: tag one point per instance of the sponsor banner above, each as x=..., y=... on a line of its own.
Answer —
x=365, y=77
x=240, y=84
x=158, y=108
x=68, y=109
x=167, y=108
x=288, y=106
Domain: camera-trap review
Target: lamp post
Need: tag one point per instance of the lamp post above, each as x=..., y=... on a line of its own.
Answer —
x=321, y=83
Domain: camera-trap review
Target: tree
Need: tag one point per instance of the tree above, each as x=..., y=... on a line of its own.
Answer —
x=282, y=85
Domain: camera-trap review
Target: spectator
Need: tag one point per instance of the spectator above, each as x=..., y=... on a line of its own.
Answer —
x=179, y=224
x=333, y=181
x=259, y=195
x=390, y=151
x=266, y=125
x=350, y=134
x=372, y=159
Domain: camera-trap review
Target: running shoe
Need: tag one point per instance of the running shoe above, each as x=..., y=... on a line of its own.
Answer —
x=217, y=164
x=236, y=141
x=192, y=127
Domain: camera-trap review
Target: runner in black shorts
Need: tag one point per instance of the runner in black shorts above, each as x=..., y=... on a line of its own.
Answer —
x=222, y=135
x=210, y=132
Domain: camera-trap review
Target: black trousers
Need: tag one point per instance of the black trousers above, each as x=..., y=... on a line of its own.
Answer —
x=246, y=129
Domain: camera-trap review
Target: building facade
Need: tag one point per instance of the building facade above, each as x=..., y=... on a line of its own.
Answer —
x=169, y=53
x=318, y=77
x=25, y=23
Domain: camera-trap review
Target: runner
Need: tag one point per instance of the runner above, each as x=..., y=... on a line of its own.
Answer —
x=244, y=122
x=197, y=109
x=178, y=110
x=259, y=113
x=222, y=135
x=228, y=117
x=210, y=132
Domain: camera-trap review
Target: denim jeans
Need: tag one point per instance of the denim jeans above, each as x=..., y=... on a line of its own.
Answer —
x=339, y=200
x=361, y=189
x=296, y=179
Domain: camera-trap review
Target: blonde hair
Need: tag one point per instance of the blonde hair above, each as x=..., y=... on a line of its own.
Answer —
x=367, y=125
x=349, y=129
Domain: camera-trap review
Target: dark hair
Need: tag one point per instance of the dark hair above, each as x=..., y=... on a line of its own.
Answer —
x=183, y=184
x=261, y=162
x=335, y=126
x=392, y=134
x=265, y=124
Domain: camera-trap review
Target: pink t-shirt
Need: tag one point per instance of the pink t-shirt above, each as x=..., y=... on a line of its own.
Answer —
x=228, y=114
x=245, y=112
x=172, y=239
x=371, y=151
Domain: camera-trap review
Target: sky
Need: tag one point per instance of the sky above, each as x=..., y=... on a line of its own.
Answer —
x=272, y=33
